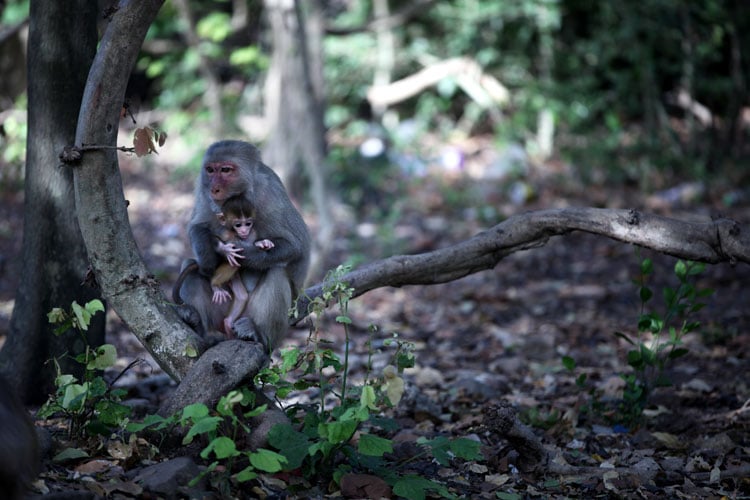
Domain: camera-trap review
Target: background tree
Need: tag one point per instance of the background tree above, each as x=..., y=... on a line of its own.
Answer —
x=295, y=103
x=54, y=256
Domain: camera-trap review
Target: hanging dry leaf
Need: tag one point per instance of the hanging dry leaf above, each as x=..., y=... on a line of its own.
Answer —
x=143, y=141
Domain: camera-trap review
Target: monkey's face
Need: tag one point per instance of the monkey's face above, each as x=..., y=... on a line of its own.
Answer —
x=243, y=227
x=223, y=180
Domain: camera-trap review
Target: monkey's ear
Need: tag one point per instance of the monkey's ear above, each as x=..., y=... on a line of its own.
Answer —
x=222, y=218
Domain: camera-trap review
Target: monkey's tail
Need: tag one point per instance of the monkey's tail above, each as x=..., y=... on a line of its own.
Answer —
x=191, y=267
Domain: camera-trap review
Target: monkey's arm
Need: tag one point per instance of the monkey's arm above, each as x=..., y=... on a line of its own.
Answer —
x=231, y=252
x=283, y=252
x=204, y=247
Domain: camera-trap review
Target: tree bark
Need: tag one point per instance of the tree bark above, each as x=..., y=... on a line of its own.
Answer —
x=294, y=107
x=62, y=42
x=102, y=210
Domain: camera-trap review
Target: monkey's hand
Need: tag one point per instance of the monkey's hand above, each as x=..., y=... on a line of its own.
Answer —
x=232, y=252
x=220, y=295
x=264, y=244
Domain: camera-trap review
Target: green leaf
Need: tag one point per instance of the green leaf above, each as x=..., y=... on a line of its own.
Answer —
x=648, y=355
x=465, y=448
x=570, y=363
x=255, y=411
x=440, y=447
x=70, y=454
x=215, y=27
x=246, y=56
x=670, y=296
x=74, y=396
x=267, y=460
x=338, y=431
x=291, y=443
x=289, y=358
x=105, y=357
x=678, y=352
x=191, y=351
x=680, y=270
x=94, y=306
x=156, y=421
x=635, y=359
x=112, y=413
x=203, y=426
x=344, y=319
x=226, y=403
x=696, y=307
x=691, y=326
x=696, y=268
x=246, y=474
x=82, y=316
x=194, y=411
x=56, y=315
x=368, y=398
x=645, y=294
x=416, y=487
x=374, y=446
x=501, y=495
x=65, y=379
x=222, y=446
x=647, y=266
x=385, y=423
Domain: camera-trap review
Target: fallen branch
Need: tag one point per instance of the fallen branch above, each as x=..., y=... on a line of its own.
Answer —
x=719, y=240
x=481, y=87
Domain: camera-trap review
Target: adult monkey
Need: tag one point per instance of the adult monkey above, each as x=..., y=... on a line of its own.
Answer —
x=232, y=168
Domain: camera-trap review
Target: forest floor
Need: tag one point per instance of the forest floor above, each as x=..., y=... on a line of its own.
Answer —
x=494, y=336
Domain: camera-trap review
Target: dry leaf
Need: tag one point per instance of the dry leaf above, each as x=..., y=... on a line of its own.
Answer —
x=143, y=141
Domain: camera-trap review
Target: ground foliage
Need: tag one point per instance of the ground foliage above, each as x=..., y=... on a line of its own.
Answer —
x=493, y=337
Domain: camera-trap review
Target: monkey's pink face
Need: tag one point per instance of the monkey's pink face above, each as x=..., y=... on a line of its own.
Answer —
x=243, y=228
x=224, y=180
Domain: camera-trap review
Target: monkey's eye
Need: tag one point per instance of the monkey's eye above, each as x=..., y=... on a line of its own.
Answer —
x=210, y=169
x=225, y=169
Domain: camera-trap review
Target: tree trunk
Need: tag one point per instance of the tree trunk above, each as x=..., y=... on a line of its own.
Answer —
x=62, y=43
x=102, y=209
x=294, y=107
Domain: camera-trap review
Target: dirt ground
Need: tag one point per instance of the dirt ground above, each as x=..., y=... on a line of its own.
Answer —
x=501, y=335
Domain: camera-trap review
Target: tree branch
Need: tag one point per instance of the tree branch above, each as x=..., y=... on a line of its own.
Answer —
x=720, y=240
x=484, y=89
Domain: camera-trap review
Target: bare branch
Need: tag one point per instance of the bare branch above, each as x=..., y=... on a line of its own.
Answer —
x=720, y=240
x=481, y=87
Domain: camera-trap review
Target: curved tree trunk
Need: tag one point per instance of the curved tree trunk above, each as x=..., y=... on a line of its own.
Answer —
x=62, y=43
x=102, y=210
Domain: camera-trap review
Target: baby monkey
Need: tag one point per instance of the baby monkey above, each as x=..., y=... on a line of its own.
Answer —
x=237, y=217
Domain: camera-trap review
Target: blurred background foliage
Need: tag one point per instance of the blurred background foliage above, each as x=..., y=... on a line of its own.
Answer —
x=644, y=93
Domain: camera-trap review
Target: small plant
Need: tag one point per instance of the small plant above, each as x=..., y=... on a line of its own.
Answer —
x=658, y=342
x=649, y=359
x=344, y=432
x=91, y=406
x=222, y=430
